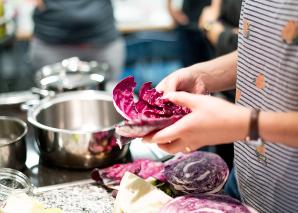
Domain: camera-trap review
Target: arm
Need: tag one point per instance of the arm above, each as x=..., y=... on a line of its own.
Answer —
x=215, y=121
x=211, y=76
x=279, y=127
x=210, y=13
x=40, y=4
x=177, y=15
x=219, y=76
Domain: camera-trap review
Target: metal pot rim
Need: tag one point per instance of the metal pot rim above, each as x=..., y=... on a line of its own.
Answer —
x=24, y=125
x=61, y=97
x=11, y=98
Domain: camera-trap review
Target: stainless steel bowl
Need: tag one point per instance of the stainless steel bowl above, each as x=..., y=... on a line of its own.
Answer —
x=12, y=142
x=69, y=125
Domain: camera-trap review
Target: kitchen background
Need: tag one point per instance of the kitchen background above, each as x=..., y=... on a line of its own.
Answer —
x=146, y=26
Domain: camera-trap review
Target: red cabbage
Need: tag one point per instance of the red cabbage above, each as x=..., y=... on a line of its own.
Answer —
x=205, y=203
x=197, y=172
x=143, y=168
x=141, y=127
x=104, y=141
x=151, y=111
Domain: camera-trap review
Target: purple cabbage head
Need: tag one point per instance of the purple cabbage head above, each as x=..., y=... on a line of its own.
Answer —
x=205, y=203
x=150, y=112
x=197, y=172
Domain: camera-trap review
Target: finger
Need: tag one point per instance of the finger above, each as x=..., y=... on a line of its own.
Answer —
x=172, y=132
x=167, y=85
x=161, y=86
x=183, y=99
x=151, y=138
x=176, y=146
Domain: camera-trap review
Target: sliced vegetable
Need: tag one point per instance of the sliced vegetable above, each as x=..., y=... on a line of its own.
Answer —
x=197, y=172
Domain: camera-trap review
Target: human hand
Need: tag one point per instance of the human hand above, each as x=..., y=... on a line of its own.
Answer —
x=184, y=79
x=40, y=4
x=208, y=15
x=212, y=121
x=213, y=33
x=179, y=17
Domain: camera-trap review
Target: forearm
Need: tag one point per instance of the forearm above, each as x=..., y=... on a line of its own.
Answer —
x=279, y=127
x=216, y=4
x=218, y=74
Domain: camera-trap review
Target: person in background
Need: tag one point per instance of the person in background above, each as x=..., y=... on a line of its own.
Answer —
x=264, y=120
x=193, y=46
x=220, y=24
x=83, y=28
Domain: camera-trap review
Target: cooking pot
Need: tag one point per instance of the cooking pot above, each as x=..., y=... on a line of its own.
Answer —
x=10, y=103
x=69, y=129
x=12, y=142
x=72, y=74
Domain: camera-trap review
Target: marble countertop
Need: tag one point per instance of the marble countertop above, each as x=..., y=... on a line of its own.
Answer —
x=78, y=192
x=81, y=198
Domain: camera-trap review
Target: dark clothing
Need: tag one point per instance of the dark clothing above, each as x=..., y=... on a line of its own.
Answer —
x=193, y=10
x=75, y=22
x=193, y=45
x=230, y=14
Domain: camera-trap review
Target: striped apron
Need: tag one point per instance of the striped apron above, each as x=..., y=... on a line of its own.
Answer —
x=267, y=78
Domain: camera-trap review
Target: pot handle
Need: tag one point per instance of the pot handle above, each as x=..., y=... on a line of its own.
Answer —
x=43, y=93
x=29, y=104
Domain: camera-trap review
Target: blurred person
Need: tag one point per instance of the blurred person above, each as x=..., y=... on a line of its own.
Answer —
x=83, y=28
x=220, y=24
x=193, y=46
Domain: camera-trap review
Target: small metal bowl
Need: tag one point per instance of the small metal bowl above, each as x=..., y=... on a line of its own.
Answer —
x=12, y=142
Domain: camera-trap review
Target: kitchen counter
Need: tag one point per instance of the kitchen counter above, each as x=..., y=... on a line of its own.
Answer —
x=73, y=190
x=81, y=198
x=43, y=175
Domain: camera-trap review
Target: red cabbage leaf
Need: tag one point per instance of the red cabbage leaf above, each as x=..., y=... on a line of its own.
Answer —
x=149, y=113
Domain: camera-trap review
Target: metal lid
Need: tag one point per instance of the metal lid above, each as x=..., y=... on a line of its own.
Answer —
x=12, y=181
x=70, y=74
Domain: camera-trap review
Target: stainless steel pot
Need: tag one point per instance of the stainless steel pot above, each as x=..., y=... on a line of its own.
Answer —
x=68, y=129
x=10, y=103
x=12, y=142
x=72, y=74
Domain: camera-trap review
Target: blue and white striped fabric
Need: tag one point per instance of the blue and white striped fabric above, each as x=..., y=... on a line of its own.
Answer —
x=268, y=80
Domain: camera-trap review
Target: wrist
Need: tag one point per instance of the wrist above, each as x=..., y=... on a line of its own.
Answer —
x=243, y=123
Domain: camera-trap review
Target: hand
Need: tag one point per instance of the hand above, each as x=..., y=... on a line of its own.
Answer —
x=209, y=14
x=215, y=30
x=212, y=121
x=40, y=4
x=179, y=17
x=184, y=79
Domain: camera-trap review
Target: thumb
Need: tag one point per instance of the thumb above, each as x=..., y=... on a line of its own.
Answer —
x=183, y=99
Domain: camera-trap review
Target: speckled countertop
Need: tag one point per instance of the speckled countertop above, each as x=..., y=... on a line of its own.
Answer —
x=81, y=198
x=86, y=197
